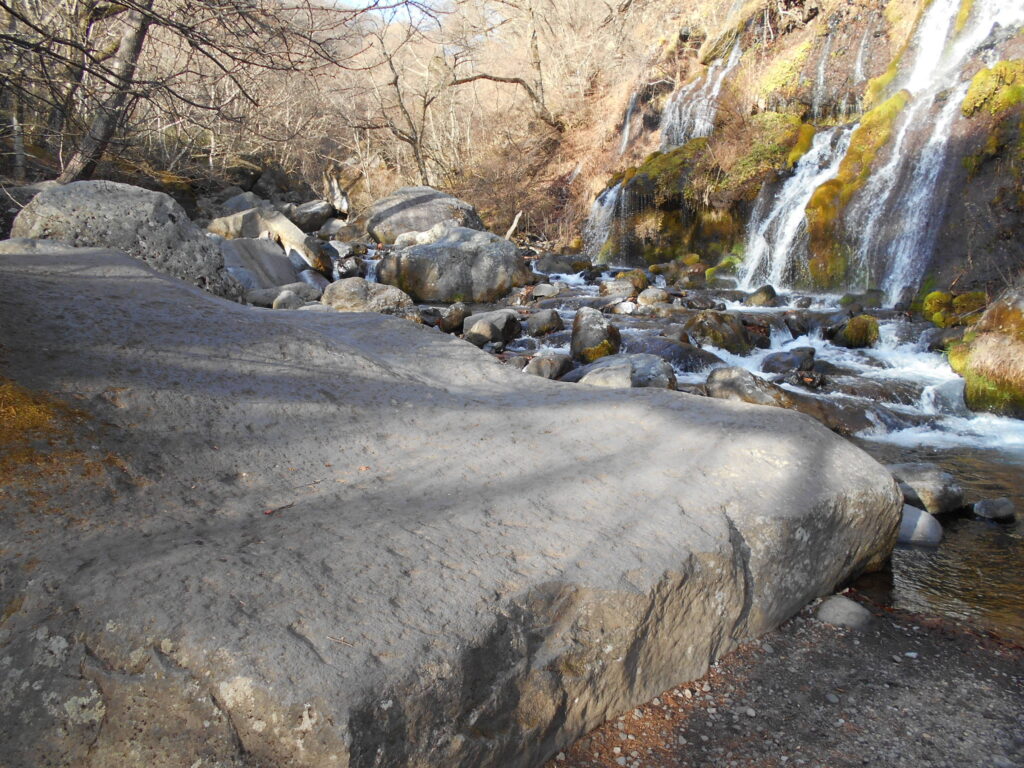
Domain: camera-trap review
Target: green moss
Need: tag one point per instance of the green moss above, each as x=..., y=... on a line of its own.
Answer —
x=636, y=277
x=803, y=144
x=877, y=86
x=726, y=265
x=982, y=393
x=971, y=303
x=963, y=15
x=605, y=348
x=860, y=331
x=772, y=136
x=958, y=356
x=665, y=172
x=936, y=301
x=691, y=258
x=995, y=89
x=828, y=261
x=782, y=76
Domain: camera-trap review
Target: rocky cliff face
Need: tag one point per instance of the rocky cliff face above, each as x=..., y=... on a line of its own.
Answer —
x=868, y=146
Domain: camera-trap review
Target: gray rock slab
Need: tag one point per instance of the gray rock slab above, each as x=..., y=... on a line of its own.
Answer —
x=257, y=263
x=276, y=566
x=146, y=225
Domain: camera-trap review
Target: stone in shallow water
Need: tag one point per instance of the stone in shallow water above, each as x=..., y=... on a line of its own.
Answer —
x=1001, y=510
x=928, y=487
x=919, y=528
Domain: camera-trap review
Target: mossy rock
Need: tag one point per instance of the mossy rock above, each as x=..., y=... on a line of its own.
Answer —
x=936, y=301
x=857, y=333
x=970, y=303
x=664, y=174
x=803, y=144
x=605, y=348
x=636, y=277
x=725, y=266
x=691, y=258
x=772, y=136
x=996, y=89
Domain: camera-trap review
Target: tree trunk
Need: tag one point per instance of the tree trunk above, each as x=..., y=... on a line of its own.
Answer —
x=111, y=110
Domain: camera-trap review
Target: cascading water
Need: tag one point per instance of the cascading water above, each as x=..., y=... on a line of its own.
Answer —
x=770, y=253
x=598, y=228
x=908, y=190
x=627, y=121
x=819, y=81
x=859, y=75
x=690, y=112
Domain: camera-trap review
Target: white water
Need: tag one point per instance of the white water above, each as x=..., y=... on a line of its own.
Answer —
x=627, y=122
x=921, y=208
x=690, y=112
x=819, y=83
x=771, y=237
x=859, y=75
x=599, y=222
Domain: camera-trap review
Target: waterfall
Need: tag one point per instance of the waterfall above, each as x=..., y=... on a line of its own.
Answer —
x=598, y=228
x=859, y=75
x=921, y=209
x=690, y=112
x=779, y=220
x=893, y=221
x=819, y=82
x=626, y=122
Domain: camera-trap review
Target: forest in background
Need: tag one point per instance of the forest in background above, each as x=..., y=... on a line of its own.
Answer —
x=499, y=101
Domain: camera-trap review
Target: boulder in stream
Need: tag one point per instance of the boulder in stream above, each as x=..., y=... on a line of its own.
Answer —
x=499, y=326
x=460, y=265
x=416, y=209
x=626, y=371
x=354, y=294
x=266, y=222
x=928, y=487
x=593, y=336
x=918, y=528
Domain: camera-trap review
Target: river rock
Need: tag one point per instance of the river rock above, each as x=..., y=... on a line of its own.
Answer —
x=416, y=209
x=545, y=291
x=626, y=371
x=354, y=294
x=619, y=287
x=265, y=297
x=856, y=333
x=315, y=279
x=765, y=296
x=502, y=325
x=718, y=329
x=1001, y=510
x=560, y=264
x=462, y=265
x=453, y=318
x=844, y=612
x=919, y=528
x=335, y=229
x=309, y=217
x=549, y=366
x=289, y=570
x=685, y=357
x=243, y=201
x=928, y=487
x=258, y=222
x=793, y=359
x=146, y=225
x=257, y=263
x=543, y=322
x=287, y=300
x=650, y=296
x=735, y=383
x=593, y=336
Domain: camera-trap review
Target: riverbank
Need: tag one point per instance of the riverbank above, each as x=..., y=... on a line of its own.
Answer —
x=908, y=691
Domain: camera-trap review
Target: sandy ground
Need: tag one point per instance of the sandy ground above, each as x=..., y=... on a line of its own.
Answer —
x=909, y=691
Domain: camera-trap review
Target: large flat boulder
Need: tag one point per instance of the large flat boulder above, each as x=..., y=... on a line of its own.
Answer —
x=328, y=539
x=460, y=264
x=416, y=209
x=146, y=225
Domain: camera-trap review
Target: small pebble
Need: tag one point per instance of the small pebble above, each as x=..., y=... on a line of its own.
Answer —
x=911, y=654
x=831, y=698
x=687, y=693
x=560, y=757
x=751, y=712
